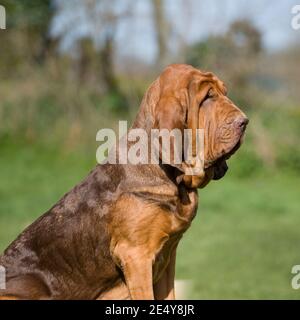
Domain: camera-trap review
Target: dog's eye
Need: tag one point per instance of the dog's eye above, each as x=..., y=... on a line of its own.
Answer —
x=210, y=94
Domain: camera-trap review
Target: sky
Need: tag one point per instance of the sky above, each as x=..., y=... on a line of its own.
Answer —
x=191, y=21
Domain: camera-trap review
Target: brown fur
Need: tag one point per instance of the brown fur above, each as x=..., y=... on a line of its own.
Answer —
x=114, y=236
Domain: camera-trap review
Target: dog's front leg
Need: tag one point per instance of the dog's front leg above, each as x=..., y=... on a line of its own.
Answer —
x=164, y=288
x=136, y=265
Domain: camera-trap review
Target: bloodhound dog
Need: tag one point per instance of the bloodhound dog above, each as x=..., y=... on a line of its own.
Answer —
x=114, y=235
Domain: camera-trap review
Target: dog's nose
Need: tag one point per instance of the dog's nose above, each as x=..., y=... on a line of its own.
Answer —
x=242, y=122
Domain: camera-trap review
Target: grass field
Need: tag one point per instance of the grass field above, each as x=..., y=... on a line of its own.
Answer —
x=244, y=240
x=242, y=244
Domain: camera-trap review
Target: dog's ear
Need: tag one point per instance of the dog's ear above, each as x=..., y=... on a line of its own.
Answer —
x=176, y=107
x=194, y=168
x=170, y=115
x=198, y=92
x=178, y=113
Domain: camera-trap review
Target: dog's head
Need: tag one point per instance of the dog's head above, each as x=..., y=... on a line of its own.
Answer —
x=224, y=125
x=186, y=98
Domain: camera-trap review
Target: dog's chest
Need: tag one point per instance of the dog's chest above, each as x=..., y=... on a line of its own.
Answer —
x=179, y=223
x=152, y=222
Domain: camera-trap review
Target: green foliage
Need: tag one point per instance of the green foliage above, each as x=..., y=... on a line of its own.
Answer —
x=289, y=158
x=208, y=54
x=28, y=13
x=245, y=163
x=60, y=114
x=115, y=102
x=242, y=41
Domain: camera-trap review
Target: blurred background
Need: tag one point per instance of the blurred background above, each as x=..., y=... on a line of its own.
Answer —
x=71, y=67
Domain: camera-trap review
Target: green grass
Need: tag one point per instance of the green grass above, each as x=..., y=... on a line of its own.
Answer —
x=242, y=244
x=244, y=240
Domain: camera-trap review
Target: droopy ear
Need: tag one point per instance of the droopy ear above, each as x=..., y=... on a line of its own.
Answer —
x=197, y=94
x=170, y=115
x=194, y=172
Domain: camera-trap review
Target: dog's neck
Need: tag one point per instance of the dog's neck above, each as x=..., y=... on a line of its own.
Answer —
x=144, y=119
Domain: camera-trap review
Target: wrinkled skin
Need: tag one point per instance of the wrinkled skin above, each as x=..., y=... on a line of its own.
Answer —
x=197, y=100
x=224, y=126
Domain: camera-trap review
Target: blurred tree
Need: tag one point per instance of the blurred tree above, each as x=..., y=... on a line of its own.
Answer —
x=98, y=20
x=27, y=27
x=162, y=32
x=86, y=61
x=234, y=56
x=246, y=37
